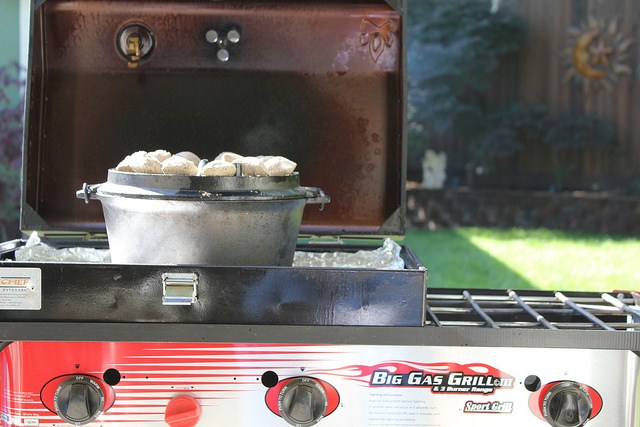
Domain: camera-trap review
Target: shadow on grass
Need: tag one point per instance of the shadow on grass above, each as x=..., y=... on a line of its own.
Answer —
x=455, y=262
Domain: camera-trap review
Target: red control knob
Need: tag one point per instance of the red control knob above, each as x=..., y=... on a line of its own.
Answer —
x=182, y=411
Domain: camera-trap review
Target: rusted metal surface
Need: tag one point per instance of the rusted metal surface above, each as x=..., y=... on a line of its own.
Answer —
x=318, y=82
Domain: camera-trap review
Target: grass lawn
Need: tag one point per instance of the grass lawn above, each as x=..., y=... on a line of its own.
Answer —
x=527, y=259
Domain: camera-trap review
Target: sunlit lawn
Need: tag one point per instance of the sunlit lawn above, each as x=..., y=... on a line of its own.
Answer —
x=519, y=259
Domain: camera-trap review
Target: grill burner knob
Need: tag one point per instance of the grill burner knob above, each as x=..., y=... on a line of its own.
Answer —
x=302, y=402
x=79, y=400
x=567, y=405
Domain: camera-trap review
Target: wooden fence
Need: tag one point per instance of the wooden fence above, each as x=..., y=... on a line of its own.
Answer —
x=603, y=38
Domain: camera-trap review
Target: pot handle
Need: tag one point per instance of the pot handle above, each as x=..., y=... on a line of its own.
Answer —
x=316, y=196
x=88, y=192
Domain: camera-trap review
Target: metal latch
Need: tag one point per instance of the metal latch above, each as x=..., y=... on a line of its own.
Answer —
x=179, y=288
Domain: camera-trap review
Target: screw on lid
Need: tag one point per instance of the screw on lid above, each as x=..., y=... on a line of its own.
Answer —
x=182, y=411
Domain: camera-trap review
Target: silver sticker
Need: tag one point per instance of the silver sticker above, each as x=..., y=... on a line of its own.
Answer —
x=20, y=288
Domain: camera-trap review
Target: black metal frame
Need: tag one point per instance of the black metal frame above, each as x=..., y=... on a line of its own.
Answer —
x=527, y=319
x=348, y=335
x=115, y=293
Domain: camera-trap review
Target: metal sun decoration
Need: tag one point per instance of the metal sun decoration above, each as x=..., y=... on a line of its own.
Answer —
x=596, y=54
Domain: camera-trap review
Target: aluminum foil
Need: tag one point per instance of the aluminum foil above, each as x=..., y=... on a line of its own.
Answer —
x=35, y=250
x=387, y=257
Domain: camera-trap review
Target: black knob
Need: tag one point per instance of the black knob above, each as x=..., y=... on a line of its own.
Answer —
x=567, y=405
x=302, y=402
x=79, y=400
x=532, y=383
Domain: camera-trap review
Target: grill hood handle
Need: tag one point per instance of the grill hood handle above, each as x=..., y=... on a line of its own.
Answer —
x=316, y=196
x=88, y=192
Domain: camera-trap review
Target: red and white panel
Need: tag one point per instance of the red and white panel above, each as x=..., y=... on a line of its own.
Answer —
x=188, y=384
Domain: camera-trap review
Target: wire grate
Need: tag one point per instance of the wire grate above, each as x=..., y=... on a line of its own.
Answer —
x=495, y=308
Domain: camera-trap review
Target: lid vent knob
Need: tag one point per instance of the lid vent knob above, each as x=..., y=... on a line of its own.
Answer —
x=135, y=42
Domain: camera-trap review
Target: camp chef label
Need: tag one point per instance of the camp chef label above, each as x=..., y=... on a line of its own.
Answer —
x=20, y=289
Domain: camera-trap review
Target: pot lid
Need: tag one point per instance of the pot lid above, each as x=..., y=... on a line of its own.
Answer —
x=202, y=188
x=320, y=82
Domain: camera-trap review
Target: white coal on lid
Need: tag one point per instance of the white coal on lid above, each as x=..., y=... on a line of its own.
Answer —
x=159, y=155
x=219, y=168
x=189, y=156
x=140, y=162
x=279, y=166
x=178, y=165
x=224, y=164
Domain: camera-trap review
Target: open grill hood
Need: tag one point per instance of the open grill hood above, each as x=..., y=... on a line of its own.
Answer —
x=320, y=82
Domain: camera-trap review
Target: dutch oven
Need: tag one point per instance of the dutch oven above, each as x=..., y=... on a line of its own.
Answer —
x=176, y=219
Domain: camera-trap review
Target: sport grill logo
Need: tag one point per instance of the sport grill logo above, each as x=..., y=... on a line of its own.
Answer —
x=488, y=407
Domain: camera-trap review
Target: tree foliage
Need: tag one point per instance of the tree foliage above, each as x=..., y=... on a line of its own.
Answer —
x=454, y=48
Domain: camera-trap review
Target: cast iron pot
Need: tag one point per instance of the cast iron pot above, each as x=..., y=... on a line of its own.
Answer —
x=174, y=219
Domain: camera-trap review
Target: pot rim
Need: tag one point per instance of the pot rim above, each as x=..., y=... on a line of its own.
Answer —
x=201, y=188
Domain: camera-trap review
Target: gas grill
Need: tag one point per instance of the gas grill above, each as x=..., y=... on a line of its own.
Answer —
x=184, y=344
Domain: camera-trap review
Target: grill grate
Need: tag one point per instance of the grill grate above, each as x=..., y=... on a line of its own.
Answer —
x=494, y=308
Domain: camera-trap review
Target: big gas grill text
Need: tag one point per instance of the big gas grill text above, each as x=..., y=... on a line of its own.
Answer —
x=453, y=382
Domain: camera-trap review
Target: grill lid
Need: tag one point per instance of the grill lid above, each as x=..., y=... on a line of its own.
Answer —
x=320, y=82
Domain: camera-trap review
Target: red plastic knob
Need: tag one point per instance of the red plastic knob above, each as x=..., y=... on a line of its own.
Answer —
x=182, y=411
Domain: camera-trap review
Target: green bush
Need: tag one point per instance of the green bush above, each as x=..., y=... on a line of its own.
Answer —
x=564, y=133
